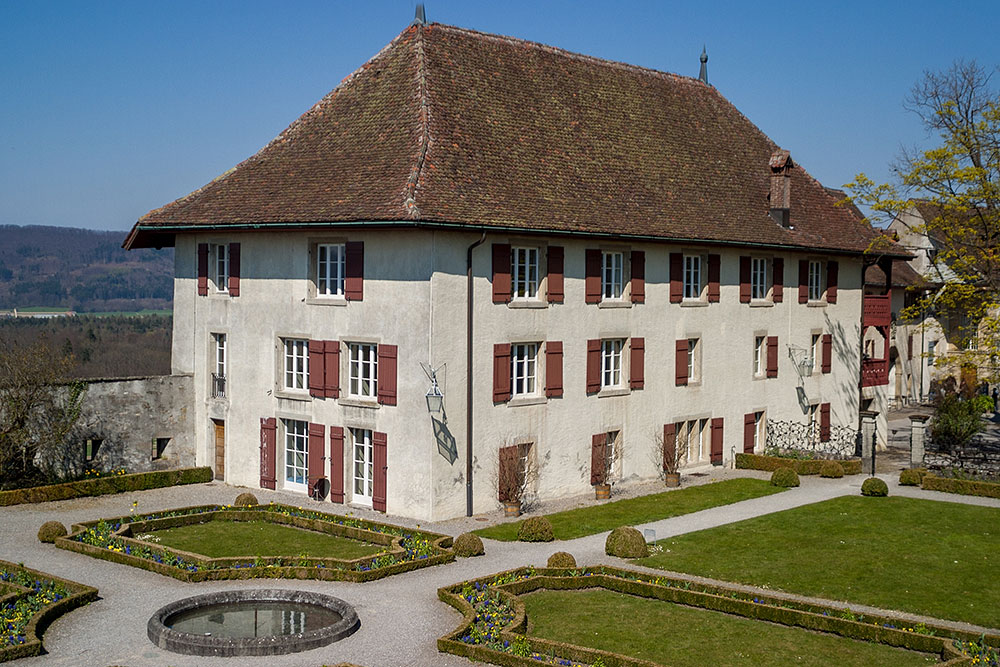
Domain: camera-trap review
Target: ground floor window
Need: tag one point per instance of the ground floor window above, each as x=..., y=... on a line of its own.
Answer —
x=364, y=466
x=296, y=454
x=693, y=435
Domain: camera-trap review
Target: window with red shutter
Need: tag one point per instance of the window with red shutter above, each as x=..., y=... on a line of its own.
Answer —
x=592, y=277
x=681, y=362
x=745, y=279
x=337, y=464
x=501, y=273
x=714, y=278
x=202, y=269
x=638, y=288
x=717, y=425
x=778, y=273
x=354, y=270
x=317, y=365
x=637, y=357
x=501, y=372
x=749, y=431
x=803, y=281
x=826, y=355
x=554, y=284
x=676, y=277
x=832, y=275
x=772, y=356
x=234, y=269
x=380, y=465
x=315, y=455
x=553, y=368
x=824, y=422
x=387, y=374
x=598, y=458
x=268, y=442
x=331, y=369
x=593, y=366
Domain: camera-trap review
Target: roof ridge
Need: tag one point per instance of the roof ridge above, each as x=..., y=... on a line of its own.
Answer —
x=410, y=191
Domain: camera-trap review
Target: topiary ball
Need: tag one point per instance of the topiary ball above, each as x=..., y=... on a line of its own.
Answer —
x=51, y=530
x=245, y=500
x=875, y=487
x=467, y=545
x=912, y=477
x=561, y=559
x=626, y=542
x=832, y=470
x=785, y=477
x=535, y=529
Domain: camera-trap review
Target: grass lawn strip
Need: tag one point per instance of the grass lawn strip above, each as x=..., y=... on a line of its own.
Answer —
x=220, y=539
x=682, y=636
x=583, y=521
x=927, y=557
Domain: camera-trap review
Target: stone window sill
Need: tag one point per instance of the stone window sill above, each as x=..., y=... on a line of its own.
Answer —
x=694, y=303
x=357, y=402
x=293, y=395
x=761, y=303
x=521, y=401
x=327, y=301
x=527, y=303
x=614, y=303
x=613, y=391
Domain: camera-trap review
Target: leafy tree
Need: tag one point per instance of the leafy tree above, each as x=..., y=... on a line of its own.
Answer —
x=960, y=179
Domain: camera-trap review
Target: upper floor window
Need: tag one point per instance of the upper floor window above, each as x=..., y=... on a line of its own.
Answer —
x=692, y=277
x=815, y=280
x=611, y=363
x=815, y=352
x=523, y=366
x=330, y=267
x=758, y=278
x=220, y=264
x=612, y=271
x=694, y=359
x=524, y=272
x=759, y=351
x=219, y=365
x=296, y=375
x=363, y=370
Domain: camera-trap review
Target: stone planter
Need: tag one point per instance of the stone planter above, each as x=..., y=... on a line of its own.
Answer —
x=602, y=491
x=512, y=508
x=672, y=479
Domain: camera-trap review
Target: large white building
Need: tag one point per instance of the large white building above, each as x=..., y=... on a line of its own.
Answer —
x=586, y=255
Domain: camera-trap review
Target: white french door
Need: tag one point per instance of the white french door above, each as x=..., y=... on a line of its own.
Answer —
x=364, y=466
x=296, y=453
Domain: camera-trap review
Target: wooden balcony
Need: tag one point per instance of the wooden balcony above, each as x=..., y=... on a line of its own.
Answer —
x=874, y=372
x=877, y=311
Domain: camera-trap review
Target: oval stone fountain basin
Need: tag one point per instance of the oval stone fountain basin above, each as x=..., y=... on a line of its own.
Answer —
x=251, y=622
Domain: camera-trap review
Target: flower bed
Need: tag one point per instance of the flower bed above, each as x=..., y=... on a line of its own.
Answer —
x=966, y=487
x=29, y=602
x=114, y=540
x=100, y=486
x=801, y=466
x=494, y=621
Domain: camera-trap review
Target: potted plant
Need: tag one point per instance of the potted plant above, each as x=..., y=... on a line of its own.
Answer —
x=672, y=458
x=515, y=475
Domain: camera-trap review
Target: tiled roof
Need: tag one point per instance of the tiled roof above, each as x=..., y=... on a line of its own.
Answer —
x=903, y=275
x=447, y=126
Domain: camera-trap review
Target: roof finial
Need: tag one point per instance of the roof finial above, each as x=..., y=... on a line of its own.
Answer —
x=703, y=74
x=420, y=18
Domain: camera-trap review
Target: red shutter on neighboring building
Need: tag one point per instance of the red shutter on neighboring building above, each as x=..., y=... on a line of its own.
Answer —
x=676, y=277
x=669, y=443
x=714, y=278
x=826, y=355
x=553, y=368
x=593, y=366
x=331, y=368
x=234, y=269
x=507, y=471
x=354, y=271
x=387, y=374
x=380, y=464
x=637, y=357
x=592, y=277
x=832, y=275
x=268, y=441
x=681, y=363
x=314, y=455
x=638, y=276
x=501, y=273
x=749, y=430
x=717, y=440
x=554, y=288
x=501, y=372
x=202, y=269
x=317, y=362
x=772, y=356
x=337, y=464
x=744, y=280
x=778, y=278
x=803, y=281
x=824, y=422
x=598, y=458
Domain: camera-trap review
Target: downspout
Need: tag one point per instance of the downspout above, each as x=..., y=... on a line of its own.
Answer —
x=468, y=378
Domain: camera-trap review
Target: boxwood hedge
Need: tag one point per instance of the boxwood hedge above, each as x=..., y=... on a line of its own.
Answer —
x=801, y=466
x=100, y=486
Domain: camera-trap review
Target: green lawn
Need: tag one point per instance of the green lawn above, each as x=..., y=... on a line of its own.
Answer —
x=584, y=521
x=222, y=539
x=681, y=636
x=934, y=558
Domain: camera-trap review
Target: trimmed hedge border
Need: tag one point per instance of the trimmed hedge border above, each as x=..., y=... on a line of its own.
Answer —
x=194, y=567
x=965, y=487
x=511, y=584
x=79, y=595
x=801, y=466
x=101, y=486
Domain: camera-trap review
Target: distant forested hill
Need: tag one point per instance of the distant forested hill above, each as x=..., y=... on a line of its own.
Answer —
x=82, y=269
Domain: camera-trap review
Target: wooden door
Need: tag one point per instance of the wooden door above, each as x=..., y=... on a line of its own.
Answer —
x=220, y=449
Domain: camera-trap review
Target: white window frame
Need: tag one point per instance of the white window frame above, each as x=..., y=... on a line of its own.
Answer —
x=612, y=466
x=759, y=354
x=611, y=363
x=694, y=282
x=363, y=455
x=331, y=267
x=813, y=415
x=219, y=364
x=759, y=424
x=363, y=371
x=296, y=455
x=524, y=369
x=295, y=366
x=816, y=351
x=694, y=360
x=758, y=278
x=612, y=275
x=815, y=280
x=220, y=266
x=524, y=272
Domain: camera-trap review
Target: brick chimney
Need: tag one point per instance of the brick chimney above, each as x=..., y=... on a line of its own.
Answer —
x=781, y=187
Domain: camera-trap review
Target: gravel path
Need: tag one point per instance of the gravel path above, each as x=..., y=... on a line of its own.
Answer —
x=400, y=616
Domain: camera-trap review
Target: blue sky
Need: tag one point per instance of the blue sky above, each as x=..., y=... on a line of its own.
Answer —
x=110, y=109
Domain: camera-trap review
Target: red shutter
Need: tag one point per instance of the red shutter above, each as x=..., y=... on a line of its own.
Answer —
x=501, y=273
x=638, y=276
x=772, y=356
x=554, y=289
x=824, y=422
x=832, y=274
x=744, y=280
x=636, y=372
x=501, y=372
x=826, y=357
x=717, y=440
x=354, y=271
x=714, y=278
x=553, y=368
x=778, y=273
x=337, y=464
x=598, y=458
x=592, y=280
x=234, y=269
x=380, y=466
x=669, y=443
x=387, y=374
x=593, y=366
x=314, y=456
x=681, y=363
x=268, y=440
x=507, y=472
x=749, y=430
x=803, y=281
x=331, y=367
x=202, y=269
x=317, y=362
x=676, y=277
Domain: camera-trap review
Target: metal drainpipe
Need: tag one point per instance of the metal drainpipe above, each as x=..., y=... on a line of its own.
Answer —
x=468, y=379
